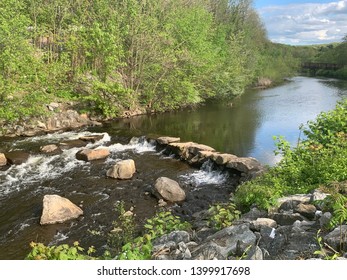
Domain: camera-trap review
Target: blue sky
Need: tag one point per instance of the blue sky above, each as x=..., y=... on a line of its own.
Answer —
x=300, y=22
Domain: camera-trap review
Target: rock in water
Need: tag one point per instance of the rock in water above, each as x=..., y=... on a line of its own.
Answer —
x=16, y=157
x=123, y=169
x=49, y=149
x=57, y=209
x=3, y=160
x=169, y=189
x=165, y=140
x=88, y=154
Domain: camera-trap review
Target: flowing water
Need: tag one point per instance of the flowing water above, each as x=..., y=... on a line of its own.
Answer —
x=244, y=128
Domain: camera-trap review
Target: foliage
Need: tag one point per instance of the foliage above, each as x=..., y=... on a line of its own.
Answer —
x=141, y=247
x=337, y=204
x=329, y=127
x=164, y=222
x=61, y=252
x=124, y=228
x=261, y=192
x=277, y=61
x=122, y=241
x=317, y=160
x=223, y=214
x=325, y=249
x=335, y=53
x=113, y=56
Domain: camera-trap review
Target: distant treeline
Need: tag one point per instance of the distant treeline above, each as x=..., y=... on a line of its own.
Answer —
x=116, y=55
x=329, y=53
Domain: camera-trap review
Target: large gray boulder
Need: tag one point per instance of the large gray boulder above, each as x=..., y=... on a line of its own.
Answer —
x=337, y=238
x=233, y=240
x=169, y=190
x=124, y=169
x=57, y=209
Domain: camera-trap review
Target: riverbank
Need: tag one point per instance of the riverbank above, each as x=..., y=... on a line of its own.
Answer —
x=23, y=186
x=290, y=231
x=62, y=115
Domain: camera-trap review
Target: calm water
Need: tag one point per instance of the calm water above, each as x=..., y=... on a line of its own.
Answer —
x=245, y=129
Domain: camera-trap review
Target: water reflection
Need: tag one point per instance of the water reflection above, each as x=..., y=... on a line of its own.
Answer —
x=247, y=127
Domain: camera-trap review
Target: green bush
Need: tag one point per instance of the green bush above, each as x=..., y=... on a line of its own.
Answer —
x=261, y=192
x=319, y=159
x=222, y=215
x=141, y=247
x=124, y=228
x=62, y=252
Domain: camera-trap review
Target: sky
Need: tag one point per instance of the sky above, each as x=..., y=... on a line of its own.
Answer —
x=300, y=22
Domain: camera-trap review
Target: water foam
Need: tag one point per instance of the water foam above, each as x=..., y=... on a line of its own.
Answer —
x=44, y=167
x=139, y=145
x=38, y=168
x=59, y=136
x=205, y=176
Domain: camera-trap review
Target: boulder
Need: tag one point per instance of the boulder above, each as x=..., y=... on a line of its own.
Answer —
x=173, y=246
x=3, y=160
x=165, y=140
x=272, y=241
x=325, y=219
x=244, y=165
x=89, y=155
x=253, y=214
x=123, y=169
x=337, y=238
x=255, y=253
x=48, y=149
x=222, y=159
x=57, y=209
x=188, y=150
x=287, y=218
x=301, y=198
x=53, y=106
x=169, y=190
x=263, y=82
x=174, y=236
x=306, y=210
x=263, y=222
x=72, y=144
x=233, y=240
x=91, y=138
x=67, y=119
x=16, y=157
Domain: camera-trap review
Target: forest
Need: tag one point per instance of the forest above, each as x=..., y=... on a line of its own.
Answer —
x=111, y=55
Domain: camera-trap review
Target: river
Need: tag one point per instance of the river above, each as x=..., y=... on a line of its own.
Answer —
x=244, y=128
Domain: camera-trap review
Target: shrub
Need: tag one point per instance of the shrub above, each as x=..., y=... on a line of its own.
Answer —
x=62, y=252
x=319, y=159
x=141, y=247
x=222, y=215
x=124, y=228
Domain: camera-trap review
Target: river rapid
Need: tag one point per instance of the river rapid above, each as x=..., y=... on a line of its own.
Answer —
x=244, y=128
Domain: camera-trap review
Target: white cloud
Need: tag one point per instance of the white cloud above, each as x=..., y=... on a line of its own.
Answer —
x=302, y=24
